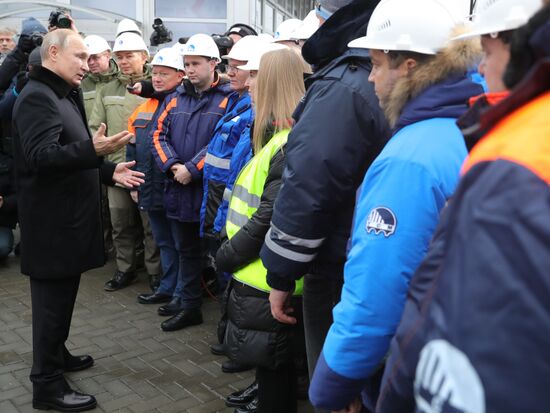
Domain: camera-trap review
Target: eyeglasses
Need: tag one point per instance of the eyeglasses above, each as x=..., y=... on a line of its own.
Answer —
x=231, y=68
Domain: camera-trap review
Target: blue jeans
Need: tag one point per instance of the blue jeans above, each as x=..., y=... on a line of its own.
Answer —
x=188, y=245
x=169, y=257
x=6, y=242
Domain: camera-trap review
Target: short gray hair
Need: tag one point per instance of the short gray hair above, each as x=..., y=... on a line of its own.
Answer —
x=8, y=31
x=58, y=37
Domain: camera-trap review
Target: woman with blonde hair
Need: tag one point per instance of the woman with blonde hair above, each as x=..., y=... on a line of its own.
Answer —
x=253, y=336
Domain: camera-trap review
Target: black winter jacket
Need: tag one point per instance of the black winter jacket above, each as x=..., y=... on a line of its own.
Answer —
x=252, y=335
x=58, y=180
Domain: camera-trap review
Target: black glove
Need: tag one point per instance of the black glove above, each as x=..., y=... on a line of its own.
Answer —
x=25, y=44
x=21, y=81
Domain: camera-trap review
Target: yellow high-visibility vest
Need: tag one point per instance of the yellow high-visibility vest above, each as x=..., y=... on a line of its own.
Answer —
x=245, y=200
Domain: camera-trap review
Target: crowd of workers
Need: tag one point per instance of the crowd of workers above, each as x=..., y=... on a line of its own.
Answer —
x=368, y=190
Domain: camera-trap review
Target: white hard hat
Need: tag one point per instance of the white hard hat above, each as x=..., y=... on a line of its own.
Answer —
x=202, y=45
x=494, y=16
x=265, y=37
x=169, y=57
x=179, y=47
x=309, y=26
x=96, y=44
x=129, y=42
x=127, y=25
x=244, y=48
x=285, y=29
x=421, y=26
x=254, y=61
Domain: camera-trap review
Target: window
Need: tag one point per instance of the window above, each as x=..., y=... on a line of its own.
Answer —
x=123, y=7
x=199, y=9
x=278, y=19
x=268, y=18
x=189, y=29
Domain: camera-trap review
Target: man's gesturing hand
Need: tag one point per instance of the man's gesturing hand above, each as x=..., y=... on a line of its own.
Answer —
x=127, y=177
x=104, y=145
x=280, y=306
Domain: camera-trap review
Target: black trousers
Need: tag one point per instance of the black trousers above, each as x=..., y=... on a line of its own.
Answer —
x=277, y=389
x=52, y=311
x=321, y=294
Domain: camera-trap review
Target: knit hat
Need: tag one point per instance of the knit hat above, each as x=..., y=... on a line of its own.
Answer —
x=34, y=57
x=31, y=25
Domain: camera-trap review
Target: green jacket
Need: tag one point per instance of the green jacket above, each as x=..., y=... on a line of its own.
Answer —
x=93, y=83
x=114, y=105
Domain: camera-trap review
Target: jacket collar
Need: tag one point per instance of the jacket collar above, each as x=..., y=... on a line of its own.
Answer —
x=331, y=39
x=131, y=79
x=533, y=85
x=449, y=66
x=107, y=76
x=51, y=79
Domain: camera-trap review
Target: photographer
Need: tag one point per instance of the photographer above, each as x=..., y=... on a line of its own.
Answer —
x=31, y=36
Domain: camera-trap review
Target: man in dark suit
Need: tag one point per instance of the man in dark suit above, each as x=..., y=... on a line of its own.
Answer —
x=59, y=167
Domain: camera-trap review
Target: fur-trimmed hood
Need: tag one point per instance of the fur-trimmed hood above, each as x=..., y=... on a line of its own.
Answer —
x=440, y=88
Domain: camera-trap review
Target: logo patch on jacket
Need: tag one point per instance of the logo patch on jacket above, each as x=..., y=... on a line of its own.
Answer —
x=381, y=220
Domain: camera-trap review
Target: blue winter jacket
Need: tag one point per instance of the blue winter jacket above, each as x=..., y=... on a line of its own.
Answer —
x=240, y=157
x=217, y=162
x=401, y=197
x=184, y=128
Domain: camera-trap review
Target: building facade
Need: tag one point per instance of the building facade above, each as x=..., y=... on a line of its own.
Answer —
x=182, y=17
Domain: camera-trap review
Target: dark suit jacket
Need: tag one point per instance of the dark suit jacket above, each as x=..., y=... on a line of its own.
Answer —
x=58, y=180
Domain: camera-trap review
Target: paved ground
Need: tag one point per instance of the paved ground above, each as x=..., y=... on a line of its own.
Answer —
x=138, y=367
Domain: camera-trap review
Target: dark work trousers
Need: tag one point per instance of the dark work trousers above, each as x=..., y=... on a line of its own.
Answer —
x=321, y=294
x=52, y=310
x=277, y=389
x=188, y=244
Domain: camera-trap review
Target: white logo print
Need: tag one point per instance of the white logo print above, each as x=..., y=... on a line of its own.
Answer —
x=445, y=377
x=381, y=219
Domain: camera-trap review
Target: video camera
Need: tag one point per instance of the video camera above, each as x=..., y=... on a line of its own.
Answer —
x=36, y=39
x=59, y=19
x=225, y=43
x=161, y=34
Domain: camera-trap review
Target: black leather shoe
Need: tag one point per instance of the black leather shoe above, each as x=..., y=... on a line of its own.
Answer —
x=172, y=308
x=230, y=366
x=217, y=349
x=154, y=298
x=249, y=408
x=242, y=397
x=77, y=363
x=65, y=401
x=184, y=318
x=120, y=280
x=154, y=281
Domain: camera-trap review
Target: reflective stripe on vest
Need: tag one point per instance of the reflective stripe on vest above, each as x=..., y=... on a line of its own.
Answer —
x=245, y=200
x=216, y=161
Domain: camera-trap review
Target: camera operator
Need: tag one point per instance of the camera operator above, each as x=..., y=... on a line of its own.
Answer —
x=227, y=40
x=31, y=36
